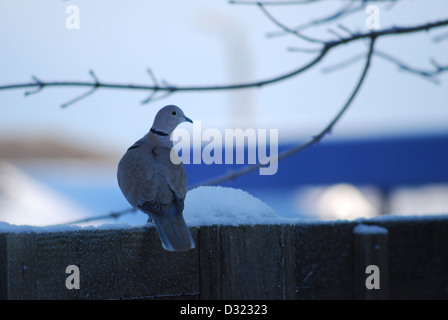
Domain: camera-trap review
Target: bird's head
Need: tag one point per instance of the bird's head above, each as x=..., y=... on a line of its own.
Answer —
x=168, y=118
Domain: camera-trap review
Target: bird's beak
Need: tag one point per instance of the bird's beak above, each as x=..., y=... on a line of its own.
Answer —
x=188, y=120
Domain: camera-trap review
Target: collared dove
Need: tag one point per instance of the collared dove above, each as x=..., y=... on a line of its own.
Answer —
x=152, y=183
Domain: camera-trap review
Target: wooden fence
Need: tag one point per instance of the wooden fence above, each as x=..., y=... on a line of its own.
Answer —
x=408, y=259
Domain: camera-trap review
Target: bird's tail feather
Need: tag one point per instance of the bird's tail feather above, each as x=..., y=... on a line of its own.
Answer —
x=173, y=231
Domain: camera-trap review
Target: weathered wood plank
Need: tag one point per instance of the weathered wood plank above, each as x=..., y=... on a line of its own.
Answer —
x=113, y=264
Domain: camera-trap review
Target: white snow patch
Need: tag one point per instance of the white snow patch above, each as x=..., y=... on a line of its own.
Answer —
x=227, y=206
x=13, y=228
x=369, y=229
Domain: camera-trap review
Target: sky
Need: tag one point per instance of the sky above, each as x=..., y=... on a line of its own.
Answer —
x=204, y=43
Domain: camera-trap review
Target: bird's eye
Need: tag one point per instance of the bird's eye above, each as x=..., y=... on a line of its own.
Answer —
x=173, y=113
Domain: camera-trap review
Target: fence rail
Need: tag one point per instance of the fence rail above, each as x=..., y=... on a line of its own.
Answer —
x=309, y=260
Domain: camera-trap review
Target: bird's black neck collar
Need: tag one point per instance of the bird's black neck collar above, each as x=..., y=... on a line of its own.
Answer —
x=159, y=132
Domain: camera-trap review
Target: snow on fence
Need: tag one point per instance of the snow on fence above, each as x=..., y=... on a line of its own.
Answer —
x=397, y=258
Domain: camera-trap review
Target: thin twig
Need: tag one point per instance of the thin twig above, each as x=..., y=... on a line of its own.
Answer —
x=345, y=10
x=96, y=84
x=39, y=83
x=156, y=87
x=79, y=98
x=273, y=3
x=150, y=97
x=285, y=28
x=440, y=37
x=112, y=215
x=344, y=28
x=426, y=74
x=344, y=63
x=153, y=77
x=333, y=32
x=304, y=50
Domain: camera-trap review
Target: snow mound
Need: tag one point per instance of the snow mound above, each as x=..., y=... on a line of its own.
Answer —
x=226, y=206
x=369, y=229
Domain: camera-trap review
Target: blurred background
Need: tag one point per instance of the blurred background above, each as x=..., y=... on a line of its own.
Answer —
x=387, y=155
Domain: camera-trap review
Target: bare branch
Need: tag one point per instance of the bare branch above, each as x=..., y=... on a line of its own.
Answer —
x=325, y=46
x=170, y=89
x=250, y=168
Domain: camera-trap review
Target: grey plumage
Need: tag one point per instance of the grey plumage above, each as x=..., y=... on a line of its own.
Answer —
x=152, y=183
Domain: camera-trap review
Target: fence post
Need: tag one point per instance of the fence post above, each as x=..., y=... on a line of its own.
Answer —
x=371, y=262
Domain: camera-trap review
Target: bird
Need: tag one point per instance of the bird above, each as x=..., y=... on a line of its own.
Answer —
x=155, y=184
